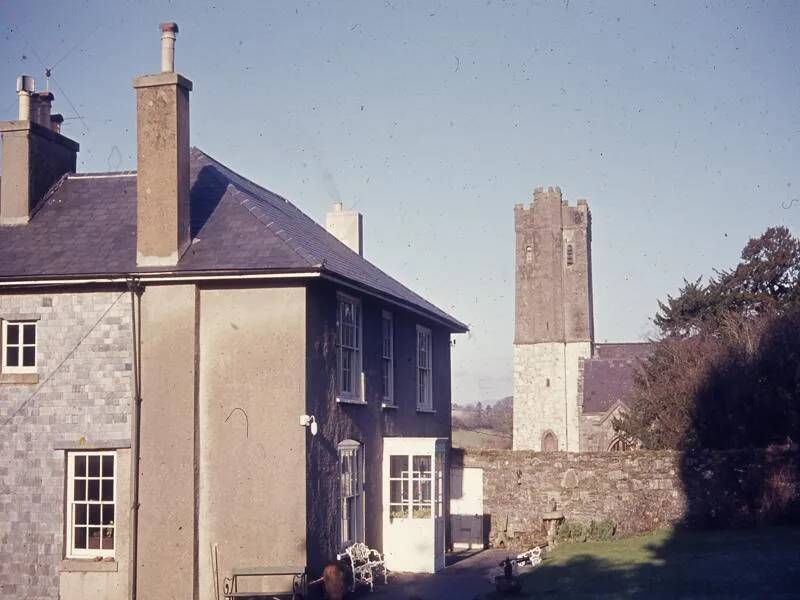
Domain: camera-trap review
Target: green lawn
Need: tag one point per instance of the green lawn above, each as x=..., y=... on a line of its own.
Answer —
x=755, y=563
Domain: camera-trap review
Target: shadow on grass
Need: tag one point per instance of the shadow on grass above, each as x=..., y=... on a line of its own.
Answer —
x=755, y=563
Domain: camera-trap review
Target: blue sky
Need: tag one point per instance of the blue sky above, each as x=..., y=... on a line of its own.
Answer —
x=678, y=121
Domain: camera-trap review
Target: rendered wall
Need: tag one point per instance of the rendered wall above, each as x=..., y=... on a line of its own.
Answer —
x=82, y=391
x=166, y=560
x=368, y=423
x=252, y=484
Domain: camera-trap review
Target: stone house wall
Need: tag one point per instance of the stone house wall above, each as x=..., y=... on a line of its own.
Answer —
x=82, y=392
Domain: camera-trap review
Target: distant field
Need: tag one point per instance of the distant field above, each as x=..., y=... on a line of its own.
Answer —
x=481, y=438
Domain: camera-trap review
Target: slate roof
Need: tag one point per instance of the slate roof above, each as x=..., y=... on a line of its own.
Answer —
x=608, y=375
x=86, y=227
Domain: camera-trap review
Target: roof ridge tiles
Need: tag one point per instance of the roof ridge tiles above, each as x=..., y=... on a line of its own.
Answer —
x=280, y=233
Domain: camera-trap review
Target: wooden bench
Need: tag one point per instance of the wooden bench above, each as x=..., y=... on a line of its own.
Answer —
x=298, y=574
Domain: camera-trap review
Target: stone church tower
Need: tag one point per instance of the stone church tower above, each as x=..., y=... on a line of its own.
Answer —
x=554, y=322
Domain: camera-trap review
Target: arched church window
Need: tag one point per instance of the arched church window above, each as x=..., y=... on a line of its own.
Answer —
x=549, y=442
x=528, y=254
x=618, y=445
x=570, y=255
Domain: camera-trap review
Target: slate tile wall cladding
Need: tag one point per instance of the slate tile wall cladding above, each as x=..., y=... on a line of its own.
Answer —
x=640, y=491
x=89, y=396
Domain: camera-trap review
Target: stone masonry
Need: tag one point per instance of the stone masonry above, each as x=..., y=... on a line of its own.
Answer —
x=639, y=490
x=83, y=395
x=554, y=326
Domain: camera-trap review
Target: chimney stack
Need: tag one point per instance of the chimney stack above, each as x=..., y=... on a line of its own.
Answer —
x=34, y=155
x=347, y=226
x=162, y=149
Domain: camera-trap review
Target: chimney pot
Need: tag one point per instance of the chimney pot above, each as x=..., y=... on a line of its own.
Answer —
x=169, y=32
x=55, y=122
x=25, y=87
x=41, y=103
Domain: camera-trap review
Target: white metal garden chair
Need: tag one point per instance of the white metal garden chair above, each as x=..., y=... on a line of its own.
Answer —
x=363, y=562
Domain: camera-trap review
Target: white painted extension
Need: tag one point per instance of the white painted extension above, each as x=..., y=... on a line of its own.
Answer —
x=413, y=504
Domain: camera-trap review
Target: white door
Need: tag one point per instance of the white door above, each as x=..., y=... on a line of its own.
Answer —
x=466, y=508
x=413, y=495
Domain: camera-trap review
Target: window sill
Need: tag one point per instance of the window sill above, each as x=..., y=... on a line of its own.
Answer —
x=88, y=565
x=19, y=378
x=429, y=411
x=349, y=401
x=390, y=405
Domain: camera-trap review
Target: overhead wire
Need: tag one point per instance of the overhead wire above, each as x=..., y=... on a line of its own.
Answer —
x=49, y=74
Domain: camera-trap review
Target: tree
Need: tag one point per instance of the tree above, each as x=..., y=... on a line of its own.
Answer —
x=766, y=280
x=726, y=370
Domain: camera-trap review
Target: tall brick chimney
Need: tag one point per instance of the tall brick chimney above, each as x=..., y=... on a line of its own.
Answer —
x=162, y=148
x=34, y=155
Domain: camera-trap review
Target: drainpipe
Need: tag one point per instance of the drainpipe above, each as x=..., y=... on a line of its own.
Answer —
x=136, y=290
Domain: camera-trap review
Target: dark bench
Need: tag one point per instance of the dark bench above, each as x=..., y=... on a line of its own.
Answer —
x=298, y=587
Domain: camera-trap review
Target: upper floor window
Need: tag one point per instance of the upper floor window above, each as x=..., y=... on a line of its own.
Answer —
x=348, y=346
x=19, y=347
x=424, y=370
x=528, y=254
x=570, y=255
x=351, y=492
x=91, y=494
x=387, y=359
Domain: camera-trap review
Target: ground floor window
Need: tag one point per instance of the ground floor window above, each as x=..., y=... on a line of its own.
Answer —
x=91, y=496
x=351, y=492
x=411, y=487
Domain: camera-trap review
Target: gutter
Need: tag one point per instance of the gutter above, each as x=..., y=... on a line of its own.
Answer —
x=452, y=324
x=171, y=276
x=154, y=277
x=136, y=290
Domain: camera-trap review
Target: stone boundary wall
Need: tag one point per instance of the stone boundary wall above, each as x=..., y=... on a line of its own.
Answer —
x=639, y=490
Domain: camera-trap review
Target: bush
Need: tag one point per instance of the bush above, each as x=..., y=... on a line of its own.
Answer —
x=595, y=531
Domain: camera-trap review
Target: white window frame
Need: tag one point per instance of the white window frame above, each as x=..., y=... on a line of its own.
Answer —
x=4, y=367
x=71, y=551
x=387, y=358
x=351, y=488
x=356, y=394
x=424, y=396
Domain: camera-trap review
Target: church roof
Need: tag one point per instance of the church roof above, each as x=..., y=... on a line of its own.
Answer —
x=608, y=375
